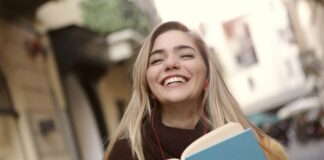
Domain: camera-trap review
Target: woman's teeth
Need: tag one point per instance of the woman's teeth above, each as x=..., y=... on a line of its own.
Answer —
x=174, y=80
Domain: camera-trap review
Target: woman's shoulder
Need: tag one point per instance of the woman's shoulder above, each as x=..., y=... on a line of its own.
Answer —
x=121, y=151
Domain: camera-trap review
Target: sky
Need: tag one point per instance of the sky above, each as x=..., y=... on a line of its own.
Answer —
x=191, y=12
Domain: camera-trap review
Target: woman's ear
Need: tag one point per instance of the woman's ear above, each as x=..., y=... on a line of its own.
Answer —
x=206, y=84
x=150, y=94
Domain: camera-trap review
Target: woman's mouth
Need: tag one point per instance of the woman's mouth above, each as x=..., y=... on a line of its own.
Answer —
x=170, y=81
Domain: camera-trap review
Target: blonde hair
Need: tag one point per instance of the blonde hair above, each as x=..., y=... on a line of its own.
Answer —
x=220, y=105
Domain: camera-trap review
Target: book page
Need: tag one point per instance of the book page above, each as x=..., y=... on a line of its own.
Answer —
x=212, y=138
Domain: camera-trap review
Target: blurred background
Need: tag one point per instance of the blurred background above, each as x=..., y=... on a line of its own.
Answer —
x=65, y=69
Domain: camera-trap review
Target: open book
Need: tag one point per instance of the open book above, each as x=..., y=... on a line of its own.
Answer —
x=228, y=142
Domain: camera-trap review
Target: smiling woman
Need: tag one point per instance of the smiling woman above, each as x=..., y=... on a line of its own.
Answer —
x=178, y=96
x=176, y=73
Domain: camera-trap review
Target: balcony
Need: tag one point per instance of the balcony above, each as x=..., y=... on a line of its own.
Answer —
x=18, y=8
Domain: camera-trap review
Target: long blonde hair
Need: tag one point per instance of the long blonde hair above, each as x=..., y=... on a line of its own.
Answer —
x=220, y=105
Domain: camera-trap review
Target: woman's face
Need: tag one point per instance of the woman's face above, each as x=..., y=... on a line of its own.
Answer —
x=176, y=71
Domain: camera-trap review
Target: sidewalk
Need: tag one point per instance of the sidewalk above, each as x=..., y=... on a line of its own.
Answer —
x=312, y=150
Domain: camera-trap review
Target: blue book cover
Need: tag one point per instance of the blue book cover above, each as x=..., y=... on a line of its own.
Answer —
x=242, y=146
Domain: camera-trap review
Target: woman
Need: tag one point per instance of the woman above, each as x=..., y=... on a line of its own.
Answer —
x=178, y=96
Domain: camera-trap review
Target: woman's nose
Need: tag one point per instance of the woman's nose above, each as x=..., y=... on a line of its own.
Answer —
x=171, y=63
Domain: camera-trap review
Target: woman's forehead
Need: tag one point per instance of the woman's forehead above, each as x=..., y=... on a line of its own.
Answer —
x=172, y=38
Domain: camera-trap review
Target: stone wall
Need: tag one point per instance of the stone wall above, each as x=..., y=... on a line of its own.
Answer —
x=39, y=132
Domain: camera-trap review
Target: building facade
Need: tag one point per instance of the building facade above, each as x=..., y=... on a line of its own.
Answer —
x=62, y=94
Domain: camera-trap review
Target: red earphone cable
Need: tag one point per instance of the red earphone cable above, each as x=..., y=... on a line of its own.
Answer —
x=205, y=122
x=156, y=135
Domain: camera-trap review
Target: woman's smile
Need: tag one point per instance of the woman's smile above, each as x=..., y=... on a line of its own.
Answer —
x=172, y=81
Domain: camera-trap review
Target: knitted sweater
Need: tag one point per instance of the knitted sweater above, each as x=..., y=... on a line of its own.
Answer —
x=173, y=141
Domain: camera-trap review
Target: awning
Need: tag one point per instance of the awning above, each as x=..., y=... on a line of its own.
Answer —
x=299, y=106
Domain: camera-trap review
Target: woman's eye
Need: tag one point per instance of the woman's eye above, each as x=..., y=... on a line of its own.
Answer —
x=155, y=61
x=187, y=56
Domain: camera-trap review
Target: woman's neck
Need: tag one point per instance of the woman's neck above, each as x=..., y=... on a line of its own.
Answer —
x=181, y=116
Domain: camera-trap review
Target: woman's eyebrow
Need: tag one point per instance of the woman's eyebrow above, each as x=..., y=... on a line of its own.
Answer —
x=157, y=51
x=184, y=47
x=179, y=47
